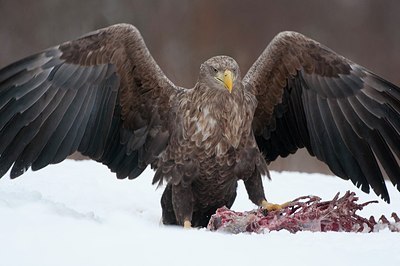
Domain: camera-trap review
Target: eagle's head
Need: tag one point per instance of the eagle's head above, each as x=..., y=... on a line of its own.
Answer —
x=220, y=72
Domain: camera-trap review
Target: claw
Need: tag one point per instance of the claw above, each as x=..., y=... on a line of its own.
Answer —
x=273, y=207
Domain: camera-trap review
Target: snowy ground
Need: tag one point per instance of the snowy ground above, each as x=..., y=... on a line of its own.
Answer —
x=77, y=213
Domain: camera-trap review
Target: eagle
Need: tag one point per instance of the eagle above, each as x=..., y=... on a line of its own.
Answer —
x=103, y=95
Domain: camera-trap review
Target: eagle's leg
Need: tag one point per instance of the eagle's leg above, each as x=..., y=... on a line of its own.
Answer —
x=182, y=201
x=177, y=205
x=255, y=190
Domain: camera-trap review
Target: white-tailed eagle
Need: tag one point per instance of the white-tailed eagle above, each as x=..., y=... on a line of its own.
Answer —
x=104, y=96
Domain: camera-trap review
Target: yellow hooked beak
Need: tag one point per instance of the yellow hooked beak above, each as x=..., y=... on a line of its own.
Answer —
x=228, y=80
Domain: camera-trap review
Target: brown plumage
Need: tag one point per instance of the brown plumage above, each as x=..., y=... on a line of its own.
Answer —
x=104, y=96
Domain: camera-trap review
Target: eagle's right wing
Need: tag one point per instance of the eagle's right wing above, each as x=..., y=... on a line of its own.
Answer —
x=102, y=95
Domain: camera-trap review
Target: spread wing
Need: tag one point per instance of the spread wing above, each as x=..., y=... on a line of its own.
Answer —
x=102, y=95
x=348, y=117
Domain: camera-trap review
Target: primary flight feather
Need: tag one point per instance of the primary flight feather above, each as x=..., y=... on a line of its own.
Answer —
x=104, y=96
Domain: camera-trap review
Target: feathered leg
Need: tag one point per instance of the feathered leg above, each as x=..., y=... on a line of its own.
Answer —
x=182, y=201
x=177, y=205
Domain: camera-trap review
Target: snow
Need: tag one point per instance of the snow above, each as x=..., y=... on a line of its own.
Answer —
x=78, y=213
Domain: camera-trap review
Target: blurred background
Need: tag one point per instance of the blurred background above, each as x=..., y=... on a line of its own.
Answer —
x=182, y=34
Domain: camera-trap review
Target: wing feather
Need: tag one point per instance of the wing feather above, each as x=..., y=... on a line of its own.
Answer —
x=89, y=95
x=348, y=117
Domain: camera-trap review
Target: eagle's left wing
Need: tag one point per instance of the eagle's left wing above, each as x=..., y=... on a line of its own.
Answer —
x=348, y=117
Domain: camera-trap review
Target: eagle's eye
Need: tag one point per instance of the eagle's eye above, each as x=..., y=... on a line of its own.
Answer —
x=214, y=69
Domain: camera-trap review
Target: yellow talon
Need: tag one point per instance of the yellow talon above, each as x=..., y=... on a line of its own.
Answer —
x=187, y=224
x=273, y=207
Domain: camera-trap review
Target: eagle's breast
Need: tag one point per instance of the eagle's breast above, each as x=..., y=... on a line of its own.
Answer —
x=216, y=123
